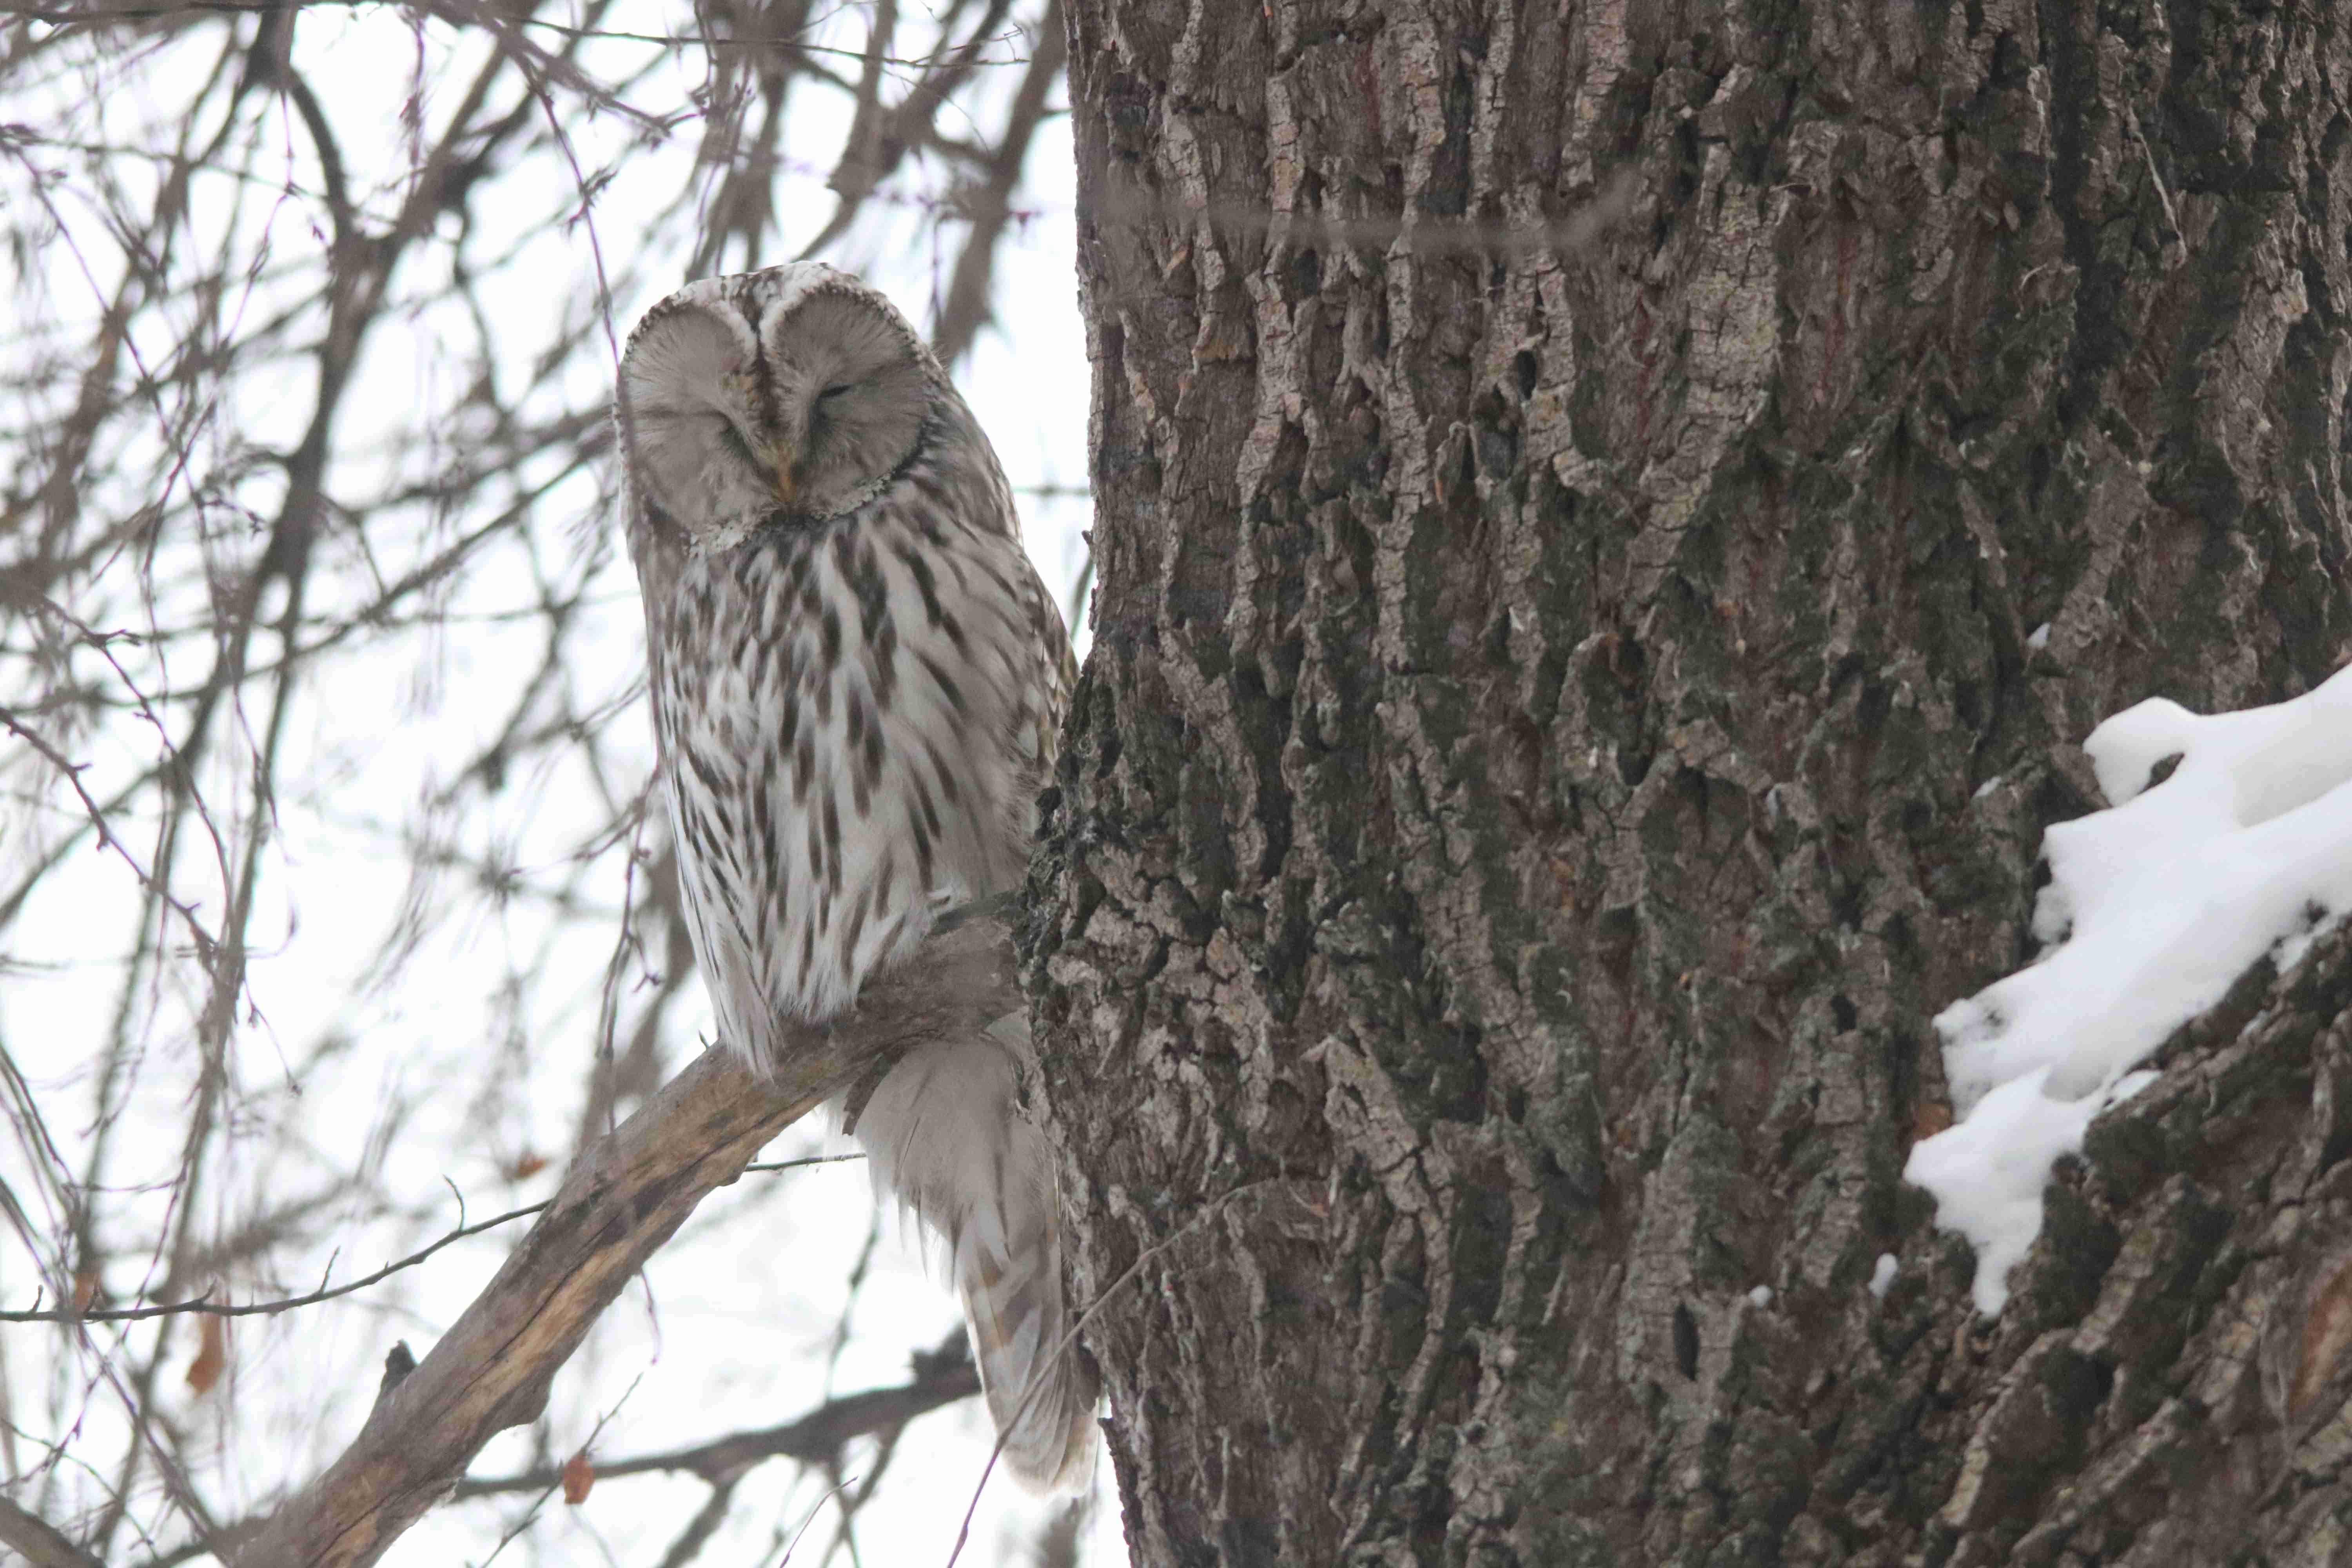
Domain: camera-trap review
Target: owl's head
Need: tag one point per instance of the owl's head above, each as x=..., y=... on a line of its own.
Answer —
x=791, y=393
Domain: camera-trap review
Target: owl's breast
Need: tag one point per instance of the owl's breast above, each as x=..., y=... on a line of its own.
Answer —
x=849, y=714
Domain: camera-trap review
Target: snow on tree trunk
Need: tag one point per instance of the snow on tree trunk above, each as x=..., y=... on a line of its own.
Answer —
x=1613, y=523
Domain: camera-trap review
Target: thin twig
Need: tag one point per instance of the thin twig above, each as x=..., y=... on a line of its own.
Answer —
x=204, y=1306
x=1070, y=1339
x=2171, y=218
x=205, y=940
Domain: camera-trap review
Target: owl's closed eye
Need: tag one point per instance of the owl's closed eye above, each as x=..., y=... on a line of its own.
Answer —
x=803, y=412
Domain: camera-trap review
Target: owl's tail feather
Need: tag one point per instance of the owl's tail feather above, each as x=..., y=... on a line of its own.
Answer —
x=947, y=1140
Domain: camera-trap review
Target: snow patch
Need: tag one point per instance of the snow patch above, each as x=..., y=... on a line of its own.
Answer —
x=1760, y=1297
x=1882, y=1277
x=1987, y=1171
x=2155, y=907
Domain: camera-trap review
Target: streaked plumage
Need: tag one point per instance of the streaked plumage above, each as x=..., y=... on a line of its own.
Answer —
x=858, y=681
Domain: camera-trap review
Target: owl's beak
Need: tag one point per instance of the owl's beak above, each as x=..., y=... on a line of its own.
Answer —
x=784, y=486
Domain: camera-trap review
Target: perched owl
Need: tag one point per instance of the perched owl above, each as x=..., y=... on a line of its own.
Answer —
x=858, y=684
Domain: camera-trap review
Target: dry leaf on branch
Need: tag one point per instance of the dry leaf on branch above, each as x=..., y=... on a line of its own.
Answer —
x=579, y=1474
x=212, y=1354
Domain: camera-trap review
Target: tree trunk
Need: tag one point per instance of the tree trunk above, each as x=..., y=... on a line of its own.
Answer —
x=1614, y=521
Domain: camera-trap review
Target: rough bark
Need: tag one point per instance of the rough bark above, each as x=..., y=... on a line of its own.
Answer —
x=1579, y=490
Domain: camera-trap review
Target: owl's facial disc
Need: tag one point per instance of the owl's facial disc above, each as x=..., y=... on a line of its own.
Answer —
x=691, y=411
x=852, y=385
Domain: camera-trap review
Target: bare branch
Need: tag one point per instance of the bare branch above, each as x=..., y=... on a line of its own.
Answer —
x=939, y=1379
x=625, y=1195
x=40, y=1540
x=700, y=1529
x=966, y=309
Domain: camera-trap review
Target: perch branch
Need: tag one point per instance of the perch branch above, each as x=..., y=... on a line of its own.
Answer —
x=625, y=1195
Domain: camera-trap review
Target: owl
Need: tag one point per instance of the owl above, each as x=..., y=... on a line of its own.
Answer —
x=857, y=685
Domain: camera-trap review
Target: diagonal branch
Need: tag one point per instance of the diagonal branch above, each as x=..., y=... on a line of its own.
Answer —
x=40, y=1541
x=625, y=1195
